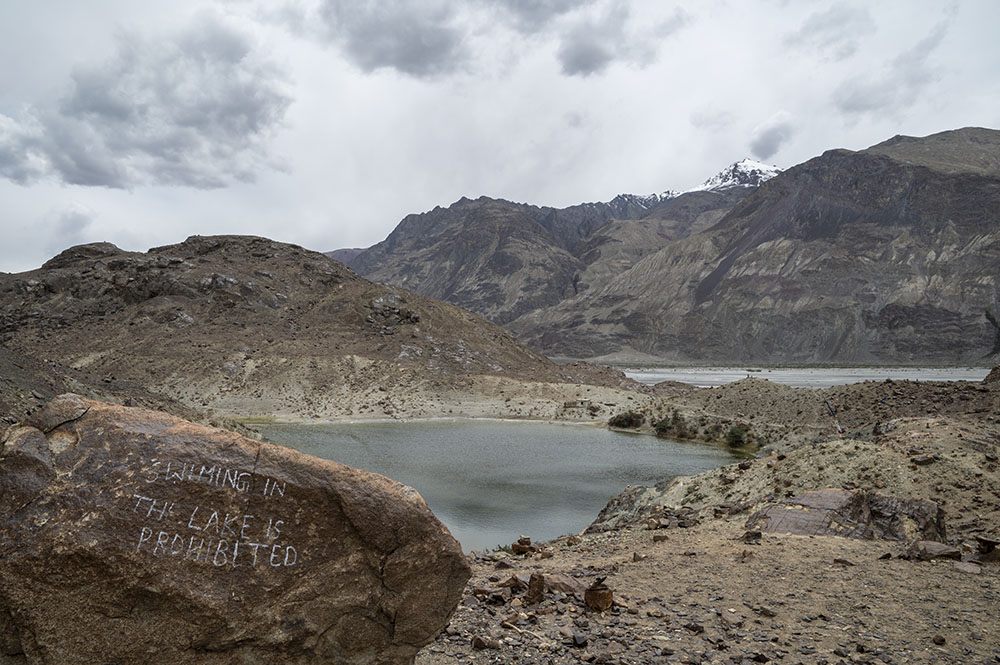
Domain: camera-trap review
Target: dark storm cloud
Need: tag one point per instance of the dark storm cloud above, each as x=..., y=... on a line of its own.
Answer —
x=834, y=32
x=768, y=137
x=194, y=110
x=591, y=45
x=422, y=39
x=899, y=85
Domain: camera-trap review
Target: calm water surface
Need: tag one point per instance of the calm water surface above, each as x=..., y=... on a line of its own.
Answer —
x=803, y=377
x=492, y=481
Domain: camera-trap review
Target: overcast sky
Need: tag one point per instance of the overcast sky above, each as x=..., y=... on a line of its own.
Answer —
x=324, y=122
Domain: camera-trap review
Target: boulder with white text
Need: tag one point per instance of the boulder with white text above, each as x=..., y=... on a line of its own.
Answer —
x=131, y=536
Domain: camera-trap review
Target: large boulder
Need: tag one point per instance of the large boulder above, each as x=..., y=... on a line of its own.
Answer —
x=131, y=536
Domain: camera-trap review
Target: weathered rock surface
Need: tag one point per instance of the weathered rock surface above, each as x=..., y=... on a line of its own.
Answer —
x=852, y=514
x=131, y=536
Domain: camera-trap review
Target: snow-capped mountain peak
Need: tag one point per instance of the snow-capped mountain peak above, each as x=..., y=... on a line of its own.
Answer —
x=744, y=173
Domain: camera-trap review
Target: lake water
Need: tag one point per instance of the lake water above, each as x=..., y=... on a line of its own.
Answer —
x=803, y=377
x=491, y=481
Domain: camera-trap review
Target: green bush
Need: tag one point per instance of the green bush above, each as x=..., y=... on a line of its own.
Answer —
x=737, y=435
x=675, y=426
x=627, y=420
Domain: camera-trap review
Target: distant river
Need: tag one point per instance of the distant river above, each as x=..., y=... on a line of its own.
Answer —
x=491, y=481
x=802, y=377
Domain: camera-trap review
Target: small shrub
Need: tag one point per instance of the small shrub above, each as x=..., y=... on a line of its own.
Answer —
x=737, y=435
x=675, y=426
x=627, y=420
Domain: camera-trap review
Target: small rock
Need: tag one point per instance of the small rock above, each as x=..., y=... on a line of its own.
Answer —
x=636, y=557
x=479, y=643
x=536, y=589
x=887, y=555
x=598, y=596
x=938, y=640
x=925, y=550
x=923, y=460
x=579, y=640
x=843, y=562
x=968, y=567
x=751, y=537
x=695, y=627
x=659, y=538
x=766, y=611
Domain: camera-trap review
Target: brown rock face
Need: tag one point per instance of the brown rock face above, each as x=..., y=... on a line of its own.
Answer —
x=852, y=514
x=129, y=535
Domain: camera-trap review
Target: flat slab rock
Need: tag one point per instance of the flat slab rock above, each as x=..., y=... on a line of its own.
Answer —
x=131, y=536
x=852, y=514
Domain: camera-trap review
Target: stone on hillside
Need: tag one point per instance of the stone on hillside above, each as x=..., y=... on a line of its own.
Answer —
x=130, y=535
x=599, y=596
x=926, y=550
x=993, y=376
x=852, y=514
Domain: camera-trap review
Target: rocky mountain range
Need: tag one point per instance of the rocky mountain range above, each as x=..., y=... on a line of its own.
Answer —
x=247, y=326
x=884, y=255
x=505, y=260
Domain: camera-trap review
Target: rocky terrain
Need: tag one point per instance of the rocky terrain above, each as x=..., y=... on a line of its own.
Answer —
x=248, y=327
x=875, y=545
x=505, y=260
x=27, y=383
x=885, y=255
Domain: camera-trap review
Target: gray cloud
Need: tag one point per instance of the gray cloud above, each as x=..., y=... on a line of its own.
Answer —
x=67, y=228
x=195, y=109
x=768, y=137
x=530, y=16
x=428, y=39
x=834, y=32
x=421, y=39
x=591, y=45
x=899, y=85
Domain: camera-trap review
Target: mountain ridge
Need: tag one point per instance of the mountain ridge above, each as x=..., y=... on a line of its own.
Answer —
x=850, y=257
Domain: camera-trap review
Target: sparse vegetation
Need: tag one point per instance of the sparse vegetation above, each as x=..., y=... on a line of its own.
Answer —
x=737, y=435
x=627, y=420
x=675, y=426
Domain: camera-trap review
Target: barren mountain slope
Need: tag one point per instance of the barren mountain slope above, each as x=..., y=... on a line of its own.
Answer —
x=620, y=244
x=488, y=256
x=249, y=326
x=850, y=257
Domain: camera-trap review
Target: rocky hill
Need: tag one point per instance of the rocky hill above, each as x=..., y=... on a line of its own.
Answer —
x=246, y=326
x=885, y=255
x=505, y=260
